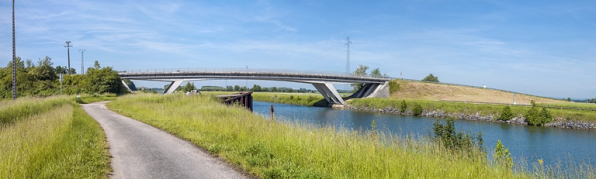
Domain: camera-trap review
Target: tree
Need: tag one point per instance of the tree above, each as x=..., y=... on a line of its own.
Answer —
x=61, y=70
x=361, y=72
x=538, y=118
x=255, y=87
x=189, y=87
x=274, y=89
x=431, y=78
x=229, y=88
x=236, y=88
x=506, y=114
x=376, y=73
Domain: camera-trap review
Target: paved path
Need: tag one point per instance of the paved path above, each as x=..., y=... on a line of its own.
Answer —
x=142, y=151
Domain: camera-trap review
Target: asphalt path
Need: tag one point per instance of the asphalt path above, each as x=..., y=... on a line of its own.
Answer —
x=142, y=151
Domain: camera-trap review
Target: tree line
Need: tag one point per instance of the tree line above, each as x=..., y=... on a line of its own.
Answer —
x=42, y=79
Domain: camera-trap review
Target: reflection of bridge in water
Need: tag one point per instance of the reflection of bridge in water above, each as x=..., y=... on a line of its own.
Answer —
x=322, y=81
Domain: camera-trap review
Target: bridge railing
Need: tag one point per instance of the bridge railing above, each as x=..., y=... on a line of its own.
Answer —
x=237, y=70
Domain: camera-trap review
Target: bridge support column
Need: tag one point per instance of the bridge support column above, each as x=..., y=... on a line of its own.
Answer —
x=371, y=90
x=125, y=85
x=329, y=93
x=173, y=86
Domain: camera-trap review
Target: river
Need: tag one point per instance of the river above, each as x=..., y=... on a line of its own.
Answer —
x=526, y=143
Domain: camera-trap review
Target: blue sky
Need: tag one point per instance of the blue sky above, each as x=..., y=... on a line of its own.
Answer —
x=545, y=48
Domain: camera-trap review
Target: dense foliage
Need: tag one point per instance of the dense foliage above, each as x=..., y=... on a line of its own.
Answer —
x=502, y=156
x=506, y=114
x=538, y=118
x=449, y=137
x=431, y=78
x=417, y=111
x=42, y=79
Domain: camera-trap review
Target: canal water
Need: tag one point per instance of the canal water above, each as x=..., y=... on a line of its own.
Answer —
x=526, y=143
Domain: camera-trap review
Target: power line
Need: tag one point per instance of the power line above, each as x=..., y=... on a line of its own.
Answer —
x=82, y=61
x=14, y=59
x=68, y=49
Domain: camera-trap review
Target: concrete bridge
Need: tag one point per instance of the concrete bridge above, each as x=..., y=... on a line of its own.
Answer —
x=322, y=81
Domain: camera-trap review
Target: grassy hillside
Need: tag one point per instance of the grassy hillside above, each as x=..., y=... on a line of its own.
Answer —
x=443, y=92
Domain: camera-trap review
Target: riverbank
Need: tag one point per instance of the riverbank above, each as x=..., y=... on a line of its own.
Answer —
x=271, y=149
x=566, y=116
x=519, y=119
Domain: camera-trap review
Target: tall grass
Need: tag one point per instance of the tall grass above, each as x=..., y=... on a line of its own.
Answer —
x=288, y=150
x=61, y=141
x=11, y=111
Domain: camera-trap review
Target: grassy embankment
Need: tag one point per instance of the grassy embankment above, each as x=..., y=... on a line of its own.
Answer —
x=304, y=99
x=276, y=149
x=50, y=138
x=440, y=96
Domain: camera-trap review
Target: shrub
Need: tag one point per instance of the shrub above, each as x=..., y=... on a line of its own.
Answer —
x=403, y=106
x=393, y=87
x=417, y=110
x=538, y=118
x=502, y=156
x=452, y=139
x=506, y=114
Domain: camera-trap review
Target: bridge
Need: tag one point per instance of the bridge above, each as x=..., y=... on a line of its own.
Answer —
x=322, y=81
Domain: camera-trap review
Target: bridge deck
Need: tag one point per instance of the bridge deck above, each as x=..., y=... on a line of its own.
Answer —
x=275, y=76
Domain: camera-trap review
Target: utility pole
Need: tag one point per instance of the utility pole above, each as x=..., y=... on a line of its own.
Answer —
x=348, y=42
x=68, y=48
x=14, y=59
x=82, y=62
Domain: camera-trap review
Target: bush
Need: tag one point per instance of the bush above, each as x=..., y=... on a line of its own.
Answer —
x=502, y=156
x=403, y=106
x=452, y=139
x=506, y=114
x=538, y=118
x=417, y=110
x=393, y=87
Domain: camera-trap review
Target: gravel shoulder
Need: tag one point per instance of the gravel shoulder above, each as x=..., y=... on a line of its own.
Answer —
x=142, y=151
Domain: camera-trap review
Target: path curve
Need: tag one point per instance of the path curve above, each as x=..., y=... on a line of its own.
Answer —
x=142, y=151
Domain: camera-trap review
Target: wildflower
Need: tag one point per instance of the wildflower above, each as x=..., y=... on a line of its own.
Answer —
x=540, y=161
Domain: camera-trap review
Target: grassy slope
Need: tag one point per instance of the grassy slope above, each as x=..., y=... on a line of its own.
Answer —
x=442, y=92
x=51, y=138
x=269, y=149
x=437, y=96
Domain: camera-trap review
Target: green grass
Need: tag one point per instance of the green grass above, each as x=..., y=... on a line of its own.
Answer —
x=91, y=98
x=282, y=150
x=471, y=108
x=304, y=99
x=61, y=142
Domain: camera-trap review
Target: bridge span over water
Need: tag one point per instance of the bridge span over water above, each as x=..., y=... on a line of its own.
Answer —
x=322, y=81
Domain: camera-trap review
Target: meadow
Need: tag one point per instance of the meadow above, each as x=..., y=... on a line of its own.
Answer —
x=51, y=138
x=271, y=149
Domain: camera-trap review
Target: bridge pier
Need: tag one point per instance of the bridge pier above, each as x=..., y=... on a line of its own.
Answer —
x=173, y=86
x=128, y=88
x=329, y=93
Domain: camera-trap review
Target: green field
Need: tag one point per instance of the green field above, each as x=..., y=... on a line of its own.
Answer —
x=51, y=138
x=280, y=150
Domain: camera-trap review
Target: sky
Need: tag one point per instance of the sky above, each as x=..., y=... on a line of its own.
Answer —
x=545, y=48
